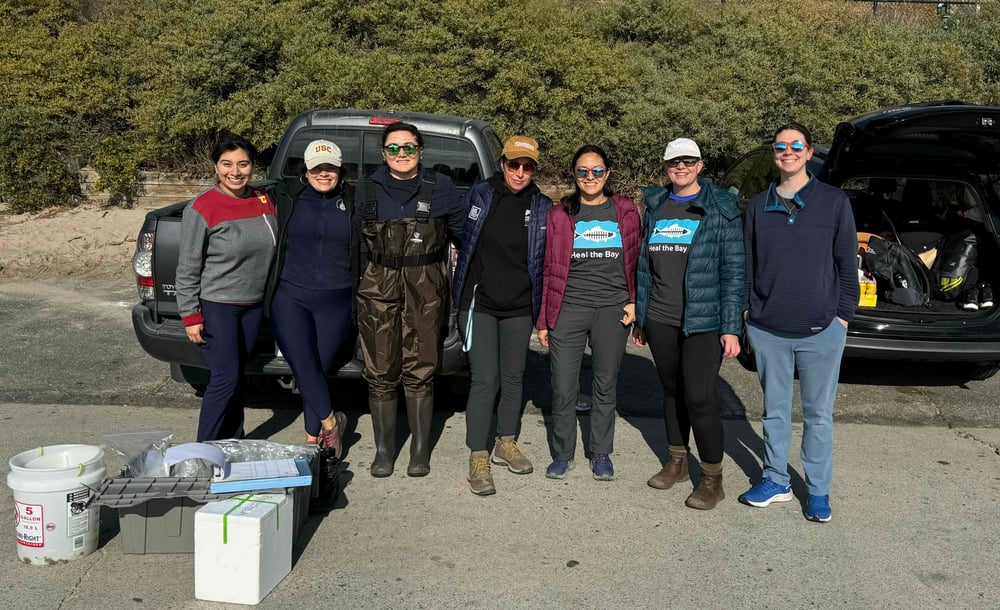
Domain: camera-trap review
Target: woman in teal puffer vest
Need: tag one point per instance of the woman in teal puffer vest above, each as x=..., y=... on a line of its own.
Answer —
x=689, y=296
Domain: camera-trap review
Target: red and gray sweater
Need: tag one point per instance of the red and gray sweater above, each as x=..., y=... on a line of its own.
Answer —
x=225, y=251
x=559, y=251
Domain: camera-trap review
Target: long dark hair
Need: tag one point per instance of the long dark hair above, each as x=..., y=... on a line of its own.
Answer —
x=572, y=202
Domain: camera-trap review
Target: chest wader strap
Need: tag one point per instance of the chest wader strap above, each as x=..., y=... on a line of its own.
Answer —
x=398, y=262
x=369, y=210
x=426, y=195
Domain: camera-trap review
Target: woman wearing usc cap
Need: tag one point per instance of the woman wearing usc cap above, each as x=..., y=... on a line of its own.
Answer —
x=311, y=284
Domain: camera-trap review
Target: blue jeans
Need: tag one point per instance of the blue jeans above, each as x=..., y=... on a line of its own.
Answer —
x=817, y=359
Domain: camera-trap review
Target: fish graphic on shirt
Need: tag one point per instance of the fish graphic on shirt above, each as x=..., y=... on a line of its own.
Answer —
x=597, y=234
x=674, y=231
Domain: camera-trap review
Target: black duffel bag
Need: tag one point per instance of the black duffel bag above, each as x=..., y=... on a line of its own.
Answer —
x=900, y=275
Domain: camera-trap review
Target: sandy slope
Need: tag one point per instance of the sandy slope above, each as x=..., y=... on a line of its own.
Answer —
x=90, y=239
x=93, y=238
x=87, y=239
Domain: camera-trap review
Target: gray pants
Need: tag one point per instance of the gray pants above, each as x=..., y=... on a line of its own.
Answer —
x=567, y=342
x=496, y=364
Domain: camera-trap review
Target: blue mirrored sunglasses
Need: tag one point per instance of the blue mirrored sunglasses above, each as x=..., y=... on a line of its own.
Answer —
x=583, y=172
x=795, y=145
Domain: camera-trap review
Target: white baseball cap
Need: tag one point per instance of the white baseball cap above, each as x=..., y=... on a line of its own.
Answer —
x=681, y=147
x=319, y=152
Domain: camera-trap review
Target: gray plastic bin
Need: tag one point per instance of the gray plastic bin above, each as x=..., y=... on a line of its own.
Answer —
x=156, y=514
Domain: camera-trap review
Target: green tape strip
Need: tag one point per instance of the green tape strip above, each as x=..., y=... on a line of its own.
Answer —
x=79, y=471
x=241, y=502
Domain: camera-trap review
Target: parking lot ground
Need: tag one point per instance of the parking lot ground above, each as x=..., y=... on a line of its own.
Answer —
x=916, y=524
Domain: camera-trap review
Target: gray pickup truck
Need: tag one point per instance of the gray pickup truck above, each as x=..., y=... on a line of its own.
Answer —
x=467, y=150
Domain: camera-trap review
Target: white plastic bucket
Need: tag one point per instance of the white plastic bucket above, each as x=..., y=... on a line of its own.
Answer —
x=51, y=487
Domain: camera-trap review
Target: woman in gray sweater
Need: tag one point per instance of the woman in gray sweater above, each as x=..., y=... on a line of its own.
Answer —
x=227, y=241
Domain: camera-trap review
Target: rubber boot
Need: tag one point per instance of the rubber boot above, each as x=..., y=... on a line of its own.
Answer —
x=708, y=493
x=384, y=427
x=419, y=412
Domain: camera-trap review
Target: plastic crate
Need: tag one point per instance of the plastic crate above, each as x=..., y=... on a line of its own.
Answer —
x=156, y=514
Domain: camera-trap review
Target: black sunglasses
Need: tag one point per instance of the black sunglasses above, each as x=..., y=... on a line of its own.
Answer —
x=687, y=161
x=529, y=167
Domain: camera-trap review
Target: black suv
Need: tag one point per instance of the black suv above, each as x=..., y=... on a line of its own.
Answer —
x=919, y=176
x=465, y=149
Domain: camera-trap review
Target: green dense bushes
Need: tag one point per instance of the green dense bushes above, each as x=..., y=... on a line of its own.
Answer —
x=127, y=85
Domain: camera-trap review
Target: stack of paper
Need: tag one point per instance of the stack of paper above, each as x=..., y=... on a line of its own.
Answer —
x=263, y=474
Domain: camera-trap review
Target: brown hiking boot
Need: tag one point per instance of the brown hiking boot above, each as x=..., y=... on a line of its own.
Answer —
x=708, y=493
x=674, y=471
x=480, y=479
x=507, y=453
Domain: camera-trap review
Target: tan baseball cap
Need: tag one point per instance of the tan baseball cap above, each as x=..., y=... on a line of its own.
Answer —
x=521, y=146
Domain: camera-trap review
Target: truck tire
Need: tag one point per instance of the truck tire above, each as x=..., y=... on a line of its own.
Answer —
x=195, y=377
x=981, y=371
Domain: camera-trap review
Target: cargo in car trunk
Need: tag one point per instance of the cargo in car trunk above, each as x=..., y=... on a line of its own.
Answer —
x=929, y=245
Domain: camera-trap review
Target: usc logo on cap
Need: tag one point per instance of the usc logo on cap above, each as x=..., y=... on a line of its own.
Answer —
x=322, y=148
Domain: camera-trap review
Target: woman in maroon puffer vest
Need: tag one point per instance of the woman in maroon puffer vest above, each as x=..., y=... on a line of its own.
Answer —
x=591, y=252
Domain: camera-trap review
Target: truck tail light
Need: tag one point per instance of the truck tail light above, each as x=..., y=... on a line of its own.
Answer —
x=383, y=120
x=142, y=264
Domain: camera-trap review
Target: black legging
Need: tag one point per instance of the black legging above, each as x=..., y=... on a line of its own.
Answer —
x=689, y=367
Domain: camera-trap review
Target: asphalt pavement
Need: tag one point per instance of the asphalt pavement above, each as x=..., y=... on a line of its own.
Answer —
x=915, y=525
x=69, y=340
x=916, y=492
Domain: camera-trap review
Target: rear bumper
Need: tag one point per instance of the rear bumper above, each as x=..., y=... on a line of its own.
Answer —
x=922, y=349
x=167, y=341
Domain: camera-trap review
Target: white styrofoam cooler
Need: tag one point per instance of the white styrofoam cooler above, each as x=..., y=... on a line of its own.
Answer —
x=242, y=547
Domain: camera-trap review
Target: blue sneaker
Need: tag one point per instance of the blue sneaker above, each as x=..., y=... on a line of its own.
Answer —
x=558, y=469
x=600, y=465
x=818, y=509
x=765, y=492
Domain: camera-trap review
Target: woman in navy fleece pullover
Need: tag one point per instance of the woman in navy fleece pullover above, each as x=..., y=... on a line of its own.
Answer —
x=802, y=288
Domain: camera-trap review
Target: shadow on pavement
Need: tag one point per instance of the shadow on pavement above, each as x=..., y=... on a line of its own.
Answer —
x=869, y=371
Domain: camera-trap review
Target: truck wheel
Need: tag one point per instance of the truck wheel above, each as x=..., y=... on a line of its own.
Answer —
x=454, y=389
x=980, y=371
x=195, y=377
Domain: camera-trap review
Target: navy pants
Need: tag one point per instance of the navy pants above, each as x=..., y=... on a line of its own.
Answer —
x=310, y=327
x=230, y=333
